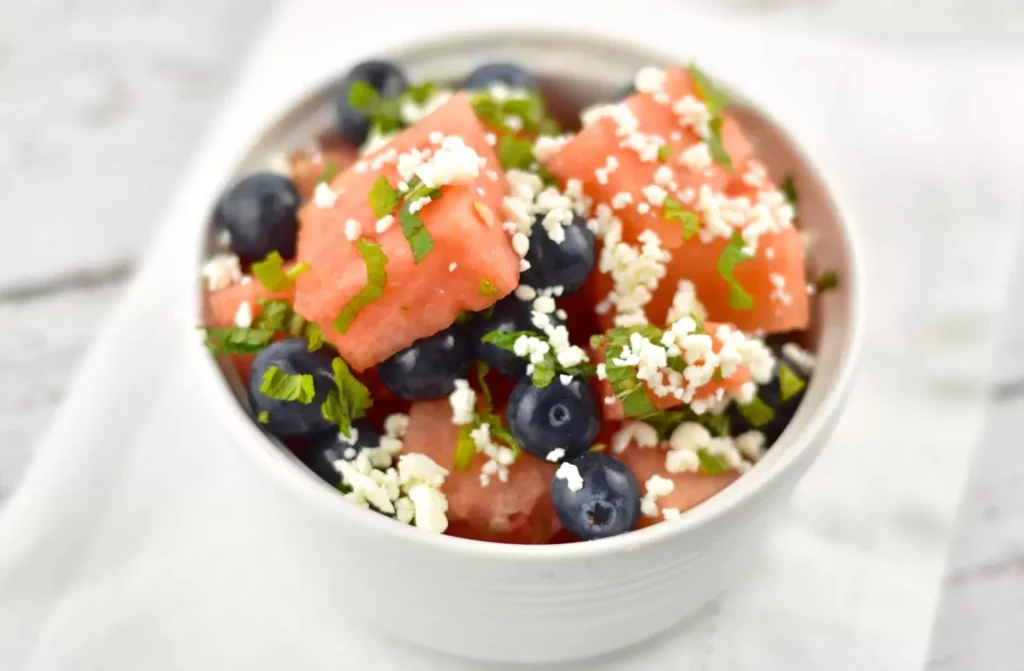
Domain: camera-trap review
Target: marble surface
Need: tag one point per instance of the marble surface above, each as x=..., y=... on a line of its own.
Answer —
x=99, y=119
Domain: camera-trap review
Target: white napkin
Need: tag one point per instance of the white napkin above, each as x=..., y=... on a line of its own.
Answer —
x=138, y=542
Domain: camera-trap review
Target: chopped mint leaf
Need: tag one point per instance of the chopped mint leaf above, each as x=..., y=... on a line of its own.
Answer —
x=464, y=317
x=543, y=374
x=545, y=371
x=415, y=231
x=506, y=340
x=314, y=336
x=296, y=270
x=715, y=100
x=270, y=272
x=296, y=324
x=499, y=432
x=329, y=172
x=263, y=417
x=515, y=153
x=237, y=340
x=790, y=384
x=349, y=401
x=718, y=425
x=465, y=448
x=788, y=188
x=712, y=464
x=383, y=197
x=284, y=386
x=420, y=93
x=675, y=211
x=664, y=153
x=757, y=412
x=275, y=315
x=716, y=147
x=487, y=288
x=829, y=280
x=364, y=97
x=376, y=279
x=486, y=314
x=482, y=369
x=732, y=255
x=597, y=340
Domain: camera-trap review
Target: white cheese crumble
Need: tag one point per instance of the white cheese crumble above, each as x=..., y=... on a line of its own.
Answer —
x=652, y=80
x=571, y=474
x=656, y=486
x=621, y=200
x=453, y=163
x=555, y=455
x=635, y=273
x=452, y=266
x=697, y=157
x=384, y=223
x=685, y=303
x=412, y=112
x=418, y=204
x=663, y=176
x=547, y=146
x=654, y=194
x=376, y=141
x=670, y=513
x=353, y=229
x=491, y=139
x=798, y=355
x=463, y=402
x=222, y=270
x=642, y=434
x=611, y=164
x=243, y=316
x=750, y=444
x=693, y=114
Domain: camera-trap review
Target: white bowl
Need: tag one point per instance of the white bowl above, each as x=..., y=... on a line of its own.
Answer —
x=547, y=603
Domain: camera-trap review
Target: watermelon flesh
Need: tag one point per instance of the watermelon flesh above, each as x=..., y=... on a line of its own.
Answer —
x=419, y=300
x=222, y=306
x=517, y=511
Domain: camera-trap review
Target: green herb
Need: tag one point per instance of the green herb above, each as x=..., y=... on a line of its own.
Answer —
x=465, y=448
x=272, y=275
x=790, y=384
x=712, y=464
x=376, y=279
x=499, y=432
x=274, y=314
x=664, y=153
x=385, y=113
x=788, y=188
x=732, y=255
x=716, y=102
x=348, y=401
x=363, y=97
x=515, y=153
x=383, y=197
x=757, y=412
x=328, y=173
x=415, y=231
x=718, y=425
x=420, y=93
x=486, y=314
x=464, y=317
x=829, y=280
x=487, y=288
x=482, y=369
x=545, y=371
x=235, y=340
x=314, y=336
x=284, y=386
x=263, y=417
x=673, y=210
x=529, y=108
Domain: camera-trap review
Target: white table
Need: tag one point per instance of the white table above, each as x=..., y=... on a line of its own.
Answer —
x=104, y=103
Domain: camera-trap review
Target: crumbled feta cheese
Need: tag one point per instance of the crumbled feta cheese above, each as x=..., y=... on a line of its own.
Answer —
x=491, y=139
x=571, y=474
x=376, y=141
x=525, y=292
x=454, y=162
x=652, y=80
x=640, y=433
x=384, y=223
x=670, y=513
x=418, y=204
x=654, y=194
x=463, y=402
x=693, y=114
x=566, y=380
x=353, y=229
x=546, y=146
x=621, y=200
x=685, y=303
x=750, y=444
x=452, y=266
x=419, y=468
x=430, y=507
x=396, y=424
x=798, y=355
x=243, y=315
x=611, y=165
x=656, y=486
x=555, y=455
x=697, y=157
x=682, y=461
x=521, y=244
x=663, y=176
x=635, y=273
x=412, y=112
x=222, y=270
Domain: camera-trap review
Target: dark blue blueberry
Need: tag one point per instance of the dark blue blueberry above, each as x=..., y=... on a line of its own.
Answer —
x=259, y=213
x=607, y=505
x=558, y=415
x=326, y=448
x=771, y=394
x=292, y=418
x=429, y=367
x=566, y=264
x=509, y=315
x=509, y=74
x=386, y=78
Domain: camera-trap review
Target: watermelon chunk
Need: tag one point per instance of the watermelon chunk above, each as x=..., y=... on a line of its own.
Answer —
x=614, y=411
x=307, y=166
x=222, y=306
x=690, y=489
x=419, y=299
x=517, y=511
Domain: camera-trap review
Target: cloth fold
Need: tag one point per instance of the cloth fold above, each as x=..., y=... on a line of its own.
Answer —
x=138, y=542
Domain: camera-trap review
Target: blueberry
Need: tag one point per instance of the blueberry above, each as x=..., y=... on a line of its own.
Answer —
x=771, y=394
x=558, y=415
x=259, y=213
x=566, y=264
x=509, y=315
x=326, y=448
x=292, y=418
x=509, y=74
x=429, y=367
x=607, y=505
x=386, y=78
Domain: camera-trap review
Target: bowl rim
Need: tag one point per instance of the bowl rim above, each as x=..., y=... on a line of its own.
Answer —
x=756, y=482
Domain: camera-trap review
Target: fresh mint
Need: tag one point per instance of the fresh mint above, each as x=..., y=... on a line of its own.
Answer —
x=283, y=386
x=376, y=279
x=757, y=412
x=383, y=197
x=545, y=371
x=348, y=401
x=272, y=274
x=732, y=255
x=234, y=340
x=673, y=210
x=790, y=384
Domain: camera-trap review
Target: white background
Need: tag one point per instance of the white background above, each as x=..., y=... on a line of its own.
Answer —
x=103, y=102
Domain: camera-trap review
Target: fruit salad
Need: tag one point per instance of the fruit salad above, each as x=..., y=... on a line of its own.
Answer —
x=469, y=317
